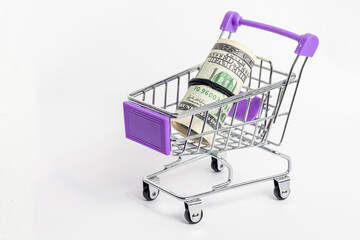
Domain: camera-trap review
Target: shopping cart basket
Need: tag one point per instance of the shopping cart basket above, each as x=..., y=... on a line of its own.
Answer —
x=149, y=111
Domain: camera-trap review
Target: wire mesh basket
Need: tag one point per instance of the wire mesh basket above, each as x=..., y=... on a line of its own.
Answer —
x=264, y=98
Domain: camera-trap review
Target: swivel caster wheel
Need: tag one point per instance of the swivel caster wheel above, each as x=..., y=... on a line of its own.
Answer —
x=216, y=165
x=193, y=212
x=190, y=218
x=149, y=192
x=282, y=188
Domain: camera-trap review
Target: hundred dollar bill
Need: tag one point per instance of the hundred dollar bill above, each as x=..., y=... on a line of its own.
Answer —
x=222, y=75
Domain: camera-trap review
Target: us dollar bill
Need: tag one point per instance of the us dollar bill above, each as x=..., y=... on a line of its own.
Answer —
x=228, y=65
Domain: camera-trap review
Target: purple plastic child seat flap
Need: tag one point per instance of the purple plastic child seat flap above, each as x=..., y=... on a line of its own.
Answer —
x=254, y=108
x=147, y=127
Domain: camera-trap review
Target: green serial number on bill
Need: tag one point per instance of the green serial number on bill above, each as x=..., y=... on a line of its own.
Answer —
x=209, y=94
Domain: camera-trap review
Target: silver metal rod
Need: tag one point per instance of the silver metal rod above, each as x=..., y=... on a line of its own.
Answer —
x=165, y=97
x=187, y=134
x=268, y=99
x=230, y=173
x=285, y=88
x=153, y=99
x=221, y=34
x=254, y=134
x=178, y=91
x=202, y=130
x=245, y=120
x=216, y=128
x=293, y=99
x=182, y=163
x=250, y=78
x=260, y=70
x=173, y=164
x=231, y=123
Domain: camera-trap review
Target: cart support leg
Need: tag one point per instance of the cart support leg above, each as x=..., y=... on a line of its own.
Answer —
x=230, y=170
x=279, y=154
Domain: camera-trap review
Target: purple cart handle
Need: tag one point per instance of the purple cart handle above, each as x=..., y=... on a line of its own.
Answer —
x=307, y=43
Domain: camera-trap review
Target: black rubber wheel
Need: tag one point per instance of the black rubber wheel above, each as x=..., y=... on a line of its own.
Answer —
x=146, y=192
x=214, y=165
x=188, y=219
x=277, y=191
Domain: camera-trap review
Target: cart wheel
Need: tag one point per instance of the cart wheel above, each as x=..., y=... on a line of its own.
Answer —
x=281, y=189
x=150, y=193
x=188, y=218
x=216, y=165
x=193, y=212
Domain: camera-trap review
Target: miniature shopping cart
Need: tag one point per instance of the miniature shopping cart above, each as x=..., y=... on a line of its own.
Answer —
x=267, y=97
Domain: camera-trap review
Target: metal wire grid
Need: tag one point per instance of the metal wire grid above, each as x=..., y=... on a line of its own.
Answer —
x=264, y=82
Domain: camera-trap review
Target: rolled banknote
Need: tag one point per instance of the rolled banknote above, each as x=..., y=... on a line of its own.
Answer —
x=222, y=75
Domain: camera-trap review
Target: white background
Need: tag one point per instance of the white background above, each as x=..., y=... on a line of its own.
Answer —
x=67, y=171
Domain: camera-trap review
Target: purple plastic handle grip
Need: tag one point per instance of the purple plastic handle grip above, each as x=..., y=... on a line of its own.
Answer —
x=307, y=43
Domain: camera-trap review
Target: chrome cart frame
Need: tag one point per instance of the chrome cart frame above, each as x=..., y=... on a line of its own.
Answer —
x=156, y=104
